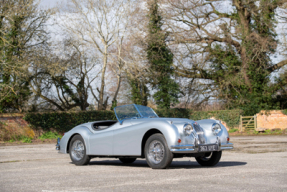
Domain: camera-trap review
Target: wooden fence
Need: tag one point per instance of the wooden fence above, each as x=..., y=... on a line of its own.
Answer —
x=248, y=123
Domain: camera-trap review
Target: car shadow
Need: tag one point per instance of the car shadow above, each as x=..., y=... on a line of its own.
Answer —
x=174, y=165
x=137, y=163
x=194, y=164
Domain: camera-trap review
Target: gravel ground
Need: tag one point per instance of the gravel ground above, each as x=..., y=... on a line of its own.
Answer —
x=258, y=163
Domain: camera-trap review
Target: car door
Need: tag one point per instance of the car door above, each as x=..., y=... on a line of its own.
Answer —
x=101, y=142
x=127, y=140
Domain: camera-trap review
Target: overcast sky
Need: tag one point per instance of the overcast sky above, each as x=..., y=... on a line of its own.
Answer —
x=50, y=3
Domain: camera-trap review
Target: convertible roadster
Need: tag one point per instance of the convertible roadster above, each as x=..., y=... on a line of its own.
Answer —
x=140, y=133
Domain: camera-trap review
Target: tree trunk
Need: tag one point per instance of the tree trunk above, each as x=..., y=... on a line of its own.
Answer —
x=118, y=88
x=101, y=98
x=245, y=67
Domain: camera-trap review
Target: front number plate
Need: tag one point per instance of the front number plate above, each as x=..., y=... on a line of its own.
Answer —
x=208, y=147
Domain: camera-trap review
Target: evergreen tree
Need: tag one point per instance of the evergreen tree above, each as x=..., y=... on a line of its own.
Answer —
x=243, y=75
x=235, y=48
x=21, y=30
x=161, y=60
x=139, y=92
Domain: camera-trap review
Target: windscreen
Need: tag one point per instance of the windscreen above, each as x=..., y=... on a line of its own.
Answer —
x=126, y=112
x=146, y=111
x=133, y=111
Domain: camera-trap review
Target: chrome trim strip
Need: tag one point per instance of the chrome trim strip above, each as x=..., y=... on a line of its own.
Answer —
x=182, y=147
x=183, y=150
x=227, y=146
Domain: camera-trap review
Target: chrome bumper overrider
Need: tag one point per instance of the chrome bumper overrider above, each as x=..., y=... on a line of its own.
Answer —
x=195, y=148
x=58, y=144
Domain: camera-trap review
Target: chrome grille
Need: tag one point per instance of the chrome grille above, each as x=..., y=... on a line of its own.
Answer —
x=200, y=133
x=197, y=128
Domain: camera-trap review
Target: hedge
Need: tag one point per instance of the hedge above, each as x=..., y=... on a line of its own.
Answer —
x=230, y=117
x=174, y=112
x=64, y=121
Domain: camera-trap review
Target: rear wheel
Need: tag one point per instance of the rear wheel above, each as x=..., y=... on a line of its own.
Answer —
x=78, y=151
x=127, y=160
x=209, y=159
x=157, y=153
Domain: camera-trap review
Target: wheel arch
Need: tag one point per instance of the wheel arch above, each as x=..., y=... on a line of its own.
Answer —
x=145, y=138
x=84, y=133
x=69, y=141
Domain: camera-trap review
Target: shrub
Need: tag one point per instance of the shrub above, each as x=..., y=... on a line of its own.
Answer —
x=231, y=117
x=22, y=138
x=50, y=135
x=232, y=130
x=26, y=139
x=255, y=132
x=64, y=121
x=174, y=112
x=277, y=131
x=267, y=131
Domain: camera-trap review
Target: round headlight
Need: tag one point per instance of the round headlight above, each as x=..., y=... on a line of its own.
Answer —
x=187, y=129
x=216, y=128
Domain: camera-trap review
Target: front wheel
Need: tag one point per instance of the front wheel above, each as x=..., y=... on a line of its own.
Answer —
x=78, y=151
x=157, y=153
x=209, y=159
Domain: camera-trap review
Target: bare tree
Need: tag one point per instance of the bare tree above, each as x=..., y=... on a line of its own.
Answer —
x=99, y=23
x=64, y=81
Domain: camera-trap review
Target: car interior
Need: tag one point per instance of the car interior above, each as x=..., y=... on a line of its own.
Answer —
x=103, y=125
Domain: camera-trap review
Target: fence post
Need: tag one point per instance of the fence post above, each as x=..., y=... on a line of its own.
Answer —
x=255, y=122
x=240, y=123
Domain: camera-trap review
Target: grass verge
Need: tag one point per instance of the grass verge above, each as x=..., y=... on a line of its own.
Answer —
x=235, y=132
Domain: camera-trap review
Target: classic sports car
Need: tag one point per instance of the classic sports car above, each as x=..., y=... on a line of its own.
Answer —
x=140, y=133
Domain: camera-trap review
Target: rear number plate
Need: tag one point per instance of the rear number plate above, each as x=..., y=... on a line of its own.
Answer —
x=208, y=147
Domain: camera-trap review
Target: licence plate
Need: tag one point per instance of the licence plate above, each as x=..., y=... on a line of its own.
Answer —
x=208, y=147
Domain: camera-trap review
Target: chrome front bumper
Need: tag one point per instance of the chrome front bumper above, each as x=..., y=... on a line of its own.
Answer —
x=195, y=148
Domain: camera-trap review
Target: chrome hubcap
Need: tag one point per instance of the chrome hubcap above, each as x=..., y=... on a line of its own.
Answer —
x=77, y=150
x=156, y=152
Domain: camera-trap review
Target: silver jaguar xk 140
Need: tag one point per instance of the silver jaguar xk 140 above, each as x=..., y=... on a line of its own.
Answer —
x=140, y=133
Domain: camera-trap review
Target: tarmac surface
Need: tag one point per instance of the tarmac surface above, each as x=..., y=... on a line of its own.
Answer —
x=258, y=163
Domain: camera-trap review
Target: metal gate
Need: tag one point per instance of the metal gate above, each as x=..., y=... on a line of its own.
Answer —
x=248, y=123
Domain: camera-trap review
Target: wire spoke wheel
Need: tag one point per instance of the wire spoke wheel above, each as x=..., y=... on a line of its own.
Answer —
x=156, y=152
x=78, y=150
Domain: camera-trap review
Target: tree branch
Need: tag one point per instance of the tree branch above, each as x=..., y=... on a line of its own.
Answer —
x=277, y=66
